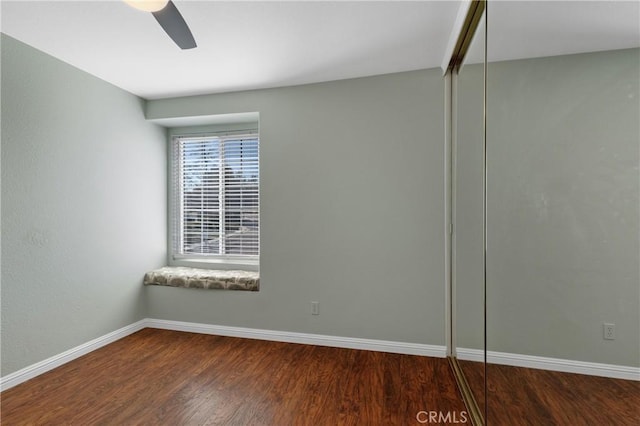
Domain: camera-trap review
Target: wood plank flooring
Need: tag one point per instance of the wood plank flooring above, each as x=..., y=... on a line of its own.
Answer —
x=159, y=377
x=526, y=396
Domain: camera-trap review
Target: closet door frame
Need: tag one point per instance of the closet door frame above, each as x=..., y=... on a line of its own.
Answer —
x=475, y=13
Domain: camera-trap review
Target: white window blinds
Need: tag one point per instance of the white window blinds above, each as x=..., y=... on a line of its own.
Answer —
x=216, y=196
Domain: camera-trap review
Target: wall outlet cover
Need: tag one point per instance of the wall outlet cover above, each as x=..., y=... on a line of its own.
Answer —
x=609, y=331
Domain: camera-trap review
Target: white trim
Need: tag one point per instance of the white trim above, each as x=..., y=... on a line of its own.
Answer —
x=436, y=351
x=48, y=364
x=33, y=370
x=216, y=263
x=466, y=354
x=553, y=364
x=176, y=188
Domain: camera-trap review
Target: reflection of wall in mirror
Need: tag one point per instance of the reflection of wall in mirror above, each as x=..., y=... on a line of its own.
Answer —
x=563, y=209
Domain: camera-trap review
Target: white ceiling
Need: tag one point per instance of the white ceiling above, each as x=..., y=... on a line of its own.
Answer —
x=248, y=45
x=534, y=29
x=241, y=45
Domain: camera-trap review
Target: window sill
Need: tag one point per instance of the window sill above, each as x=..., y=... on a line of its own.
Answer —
x=179, y=276
x=216, y=263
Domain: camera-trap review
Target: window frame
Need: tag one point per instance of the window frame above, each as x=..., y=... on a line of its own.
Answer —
x=210, y=261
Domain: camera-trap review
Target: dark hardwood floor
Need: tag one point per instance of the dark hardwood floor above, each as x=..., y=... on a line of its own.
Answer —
x=158, y=377
x=526, y=396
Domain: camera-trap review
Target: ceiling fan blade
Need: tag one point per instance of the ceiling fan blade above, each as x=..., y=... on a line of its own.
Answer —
x=174, y=25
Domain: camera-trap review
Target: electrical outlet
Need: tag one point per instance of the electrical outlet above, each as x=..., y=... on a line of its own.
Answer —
x=609, y=331
x=315, y=308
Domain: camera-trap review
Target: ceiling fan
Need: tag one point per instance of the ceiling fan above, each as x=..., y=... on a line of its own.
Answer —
x=169, y=18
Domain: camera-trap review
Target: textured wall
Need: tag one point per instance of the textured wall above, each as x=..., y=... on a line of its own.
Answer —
x=564, y=211
x=352, y=210
x=564, y=221
x=83, y=206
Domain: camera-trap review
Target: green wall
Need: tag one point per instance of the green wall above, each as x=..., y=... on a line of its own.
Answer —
x=563, y=139
x=83, y=206
x=352, y=210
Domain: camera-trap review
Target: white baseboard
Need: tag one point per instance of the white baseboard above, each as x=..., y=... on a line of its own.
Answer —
x=436, y=351
x=48, y=364
x=31, y=371
x=553, y=364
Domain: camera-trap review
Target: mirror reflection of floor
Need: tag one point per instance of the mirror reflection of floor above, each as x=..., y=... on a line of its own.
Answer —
x=474, y=373
x=525, y=396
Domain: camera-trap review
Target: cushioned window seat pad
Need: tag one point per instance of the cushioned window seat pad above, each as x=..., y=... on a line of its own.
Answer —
x=178, y=276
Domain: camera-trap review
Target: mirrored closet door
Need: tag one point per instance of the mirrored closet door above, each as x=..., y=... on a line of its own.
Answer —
x=467, y=76
x=563, y=282
x=546, y=213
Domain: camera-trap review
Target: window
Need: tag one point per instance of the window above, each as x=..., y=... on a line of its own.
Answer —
x=216, y=197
